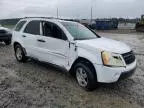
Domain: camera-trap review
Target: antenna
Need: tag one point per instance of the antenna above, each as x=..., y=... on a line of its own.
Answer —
x=91, y=13
x=57, y=13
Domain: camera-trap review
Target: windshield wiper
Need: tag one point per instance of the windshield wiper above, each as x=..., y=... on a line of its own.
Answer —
x=84, y=38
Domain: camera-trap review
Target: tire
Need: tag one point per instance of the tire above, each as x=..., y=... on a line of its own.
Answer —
x=7, y=42
x=86, y=76
x=19, y=54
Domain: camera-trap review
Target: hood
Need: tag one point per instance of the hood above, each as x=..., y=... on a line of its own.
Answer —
x=104, y=44
x=3, y=28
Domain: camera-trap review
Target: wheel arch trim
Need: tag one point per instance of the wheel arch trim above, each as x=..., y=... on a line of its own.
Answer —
x=85, y=60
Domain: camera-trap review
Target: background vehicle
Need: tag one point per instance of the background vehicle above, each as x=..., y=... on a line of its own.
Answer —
x=140, y=25
x=5, y=35
x=104, y=24
x=75, y=48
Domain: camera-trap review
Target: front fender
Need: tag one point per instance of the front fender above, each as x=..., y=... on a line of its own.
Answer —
x=93, y=56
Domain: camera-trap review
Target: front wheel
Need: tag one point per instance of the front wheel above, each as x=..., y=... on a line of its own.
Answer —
x=19, y=54
x=86, y=76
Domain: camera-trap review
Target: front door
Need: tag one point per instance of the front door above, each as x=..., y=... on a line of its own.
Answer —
x=53, y=46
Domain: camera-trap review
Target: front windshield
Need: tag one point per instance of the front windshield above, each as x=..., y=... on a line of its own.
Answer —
x=78, y=31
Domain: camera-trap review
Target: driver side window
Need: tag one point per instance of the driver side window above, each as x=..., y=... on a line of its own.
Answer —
x=52, y=30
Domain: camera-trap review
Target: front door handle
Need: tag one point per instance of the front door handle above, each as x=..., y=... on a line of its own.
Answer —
x=40, y=40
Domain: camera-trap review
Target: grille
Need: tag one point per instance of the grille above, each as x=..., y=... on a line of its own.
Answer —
x=2, y=31
x=129, y=57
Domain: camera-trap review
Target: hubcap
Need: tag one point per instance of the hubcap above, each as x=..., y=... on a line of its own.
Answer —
x=81, y=77
x=19, y=53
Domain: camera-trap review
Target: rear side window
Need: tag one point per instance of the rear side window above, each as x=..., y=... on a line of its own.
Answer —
x=33, y=27
x=20, y=25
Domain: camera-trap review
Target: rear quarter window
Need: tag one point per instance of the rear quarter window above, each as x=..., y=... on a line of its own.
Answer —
x=20, y=25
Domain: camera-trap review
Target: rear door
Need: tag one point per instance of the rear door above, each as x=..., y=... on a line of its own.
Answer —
x=53, y=45
x=30, y=34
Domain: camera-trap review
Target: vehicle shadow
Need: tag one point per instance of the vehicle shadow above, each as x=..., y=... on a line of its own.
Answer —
x=42, y=69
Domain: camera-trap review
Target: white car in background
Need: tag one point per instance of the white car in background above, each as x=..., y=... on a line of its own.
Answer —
x=75, y=48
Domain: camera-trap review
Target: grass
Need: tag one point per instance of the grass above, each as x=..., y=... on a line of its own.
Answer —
x=9, y=26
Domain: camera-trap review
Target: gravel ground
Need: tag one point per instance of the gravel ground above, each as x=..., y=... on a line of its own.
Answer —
x=38, y=85
x=121, y=31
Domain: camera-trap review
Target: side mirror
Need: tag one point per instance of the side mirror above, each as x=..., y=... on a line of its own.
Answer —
x=72, y=43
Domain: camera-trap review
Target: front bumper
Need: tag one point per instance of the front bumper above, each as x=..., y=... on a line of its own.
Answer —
x=4, y=37
x=113, y=74
x=126, y=74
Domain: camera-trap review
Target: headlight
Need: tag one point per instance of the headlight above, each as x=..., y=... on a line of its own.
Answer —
x=112, y=59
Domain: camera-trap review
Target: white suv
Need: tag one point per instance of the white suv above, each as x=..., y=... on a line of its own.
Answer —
x=75, y=48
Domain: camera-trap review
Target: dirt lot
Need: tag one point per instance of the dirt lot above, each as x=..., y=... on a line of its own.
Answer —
x=38, y=85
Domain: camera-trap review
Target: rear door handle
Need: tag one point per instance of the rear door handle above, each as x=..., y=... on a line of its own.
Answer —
x=23, y=36
x=40, y=40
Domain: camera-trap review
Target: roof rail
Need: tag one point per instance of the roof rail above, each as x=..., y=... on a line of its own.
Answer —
x=42, y=17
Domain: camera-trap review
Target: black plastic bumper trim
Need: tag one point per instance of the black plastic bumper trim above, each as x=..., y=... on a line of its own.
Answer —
x=127, y=74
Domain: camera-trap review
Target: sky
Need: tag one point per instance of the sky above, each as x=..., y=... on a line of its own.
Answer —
x=80, y=9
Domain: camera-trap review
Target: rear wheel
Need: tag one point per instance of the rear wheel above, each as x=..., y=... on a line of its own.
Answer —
x=86, y=76
x=8, y=42
x=19, y=54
